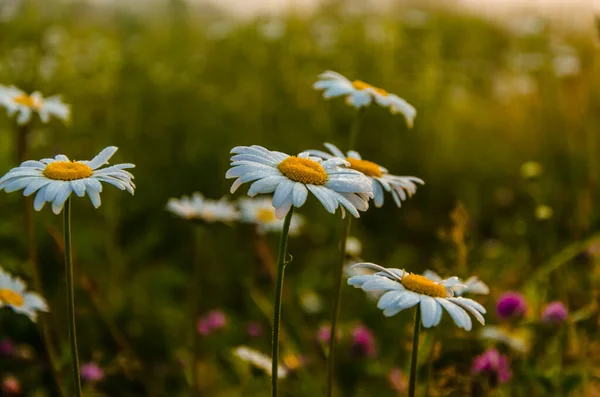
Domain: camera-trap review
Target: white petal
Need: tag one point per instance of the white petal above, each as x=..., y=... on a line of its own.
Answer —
x=379, y=283
x=460, y=317
x=389, y=299
x=283, y=192
x=299, y=195
x=429, y=309
x=408, y=300
x=102, y=157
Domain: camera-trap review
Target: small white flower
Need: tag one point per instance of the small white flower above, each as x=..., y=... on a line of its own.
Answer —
x=260, y=211
x=259, y=360
x=18, y=102
x=472, y=285
x=401, y=187
x=197, y=207
x=290, y=178
x=55, y=179
x=360, y=94
x=13, y=294
x=404, y=290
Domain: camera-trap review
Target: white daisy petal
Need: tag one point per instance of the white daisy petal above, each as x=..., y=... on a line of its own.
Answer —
x=460, y=317
x=407, y=300
x=428, y=311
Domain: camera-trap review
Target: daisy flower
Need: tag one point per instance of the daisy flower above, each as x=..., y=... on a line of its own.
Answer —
x=259, y=360
x=360, y=94
x=55, y=179
x=18, y=102
x=197, y=207
x=13, y=294
x=290, y=178
x=260, y=211
x=401, y=187
x=472, y=285
x=404, y=290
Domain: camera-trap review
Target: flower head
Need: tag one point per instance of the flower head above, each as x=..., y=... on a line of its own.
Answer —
x=401, y=187
x=13, y=294
x=555, y=312
x=258, y=359
x=18, y=102
x=55, y=179
x=197, y=207
x=471, y=285
x=91, y=372
x=260, y=211
x=494, y=364
x=404, y=290
x=360, y=94
x=290, y=178
x=511, y=304
x=363, y=342
x=213, y=321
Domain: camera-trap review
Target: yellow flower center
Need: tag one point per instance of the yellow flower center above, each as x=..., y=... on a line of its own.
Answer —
x=67, y=170
x=423, y=285
x=265, y=215
x=366, y=167
x=10, y=297
x=361, y=85
x=27, y=100
x=303, y=170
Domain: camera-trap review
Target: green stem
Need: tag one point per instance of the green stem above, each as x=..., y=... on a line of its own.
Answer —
x=71, y=298
x=278, y=291
x=336, y=308
x=352, y=138
x=356, y=128
x=195, y=295
x=415, y=353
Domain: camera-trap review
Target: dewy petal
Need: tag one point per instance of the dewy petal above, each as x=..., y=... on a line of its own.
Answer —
x=408, y=300
x=458, y=314
x=380, y=283
x=334, y=149
x=299, y=194
x=462, y=303
x=321, y=193
x=283, y=191
x=102, y=157
x=389, y=299
x=428, y=311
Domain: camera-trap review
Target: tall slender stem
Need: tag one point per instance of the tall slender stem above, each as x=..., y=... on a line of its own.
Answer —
x=356, y=128
x=281, y=262
x=336, y=308
x=195, y=296
x=22, y=138
x=71, y=298
x=415, y=353
x=352, y=138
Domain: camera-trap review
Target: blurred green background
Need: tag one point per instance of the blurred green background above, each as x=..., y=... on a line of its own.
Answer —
x=175, y=87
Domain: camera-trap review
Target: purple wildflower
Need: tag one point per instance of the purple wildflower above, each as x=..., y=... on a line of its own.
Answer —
x=493, y=363
x=363, y=342
x=511, y=304
x=91, y=372
x=555, y=312
x=213, y=321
